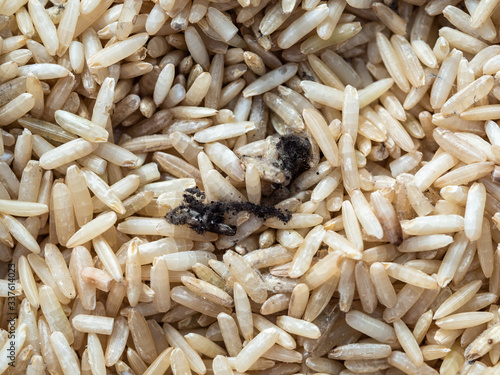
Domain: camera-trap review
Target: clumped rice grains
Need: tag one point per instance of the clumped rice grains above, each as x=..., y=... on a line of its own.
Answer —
x=249, y=187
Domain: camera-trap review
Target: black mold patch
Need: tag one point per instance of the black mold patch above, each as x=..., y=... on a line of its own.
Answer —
x=294, y=153
x=209, y=217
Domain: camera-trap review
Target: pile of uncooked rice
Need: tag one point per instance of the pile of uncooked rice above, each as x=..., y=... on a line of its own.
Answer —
x=249, y=187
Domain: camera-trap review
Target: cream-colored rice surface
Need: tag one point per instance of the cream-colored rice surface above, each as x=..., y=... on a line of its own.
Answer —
x=249, y=187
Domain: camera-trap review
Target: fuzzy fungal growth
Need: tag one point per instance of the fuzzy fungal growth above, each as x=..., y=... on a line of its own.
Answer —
x=211, y=217
x=294, y=153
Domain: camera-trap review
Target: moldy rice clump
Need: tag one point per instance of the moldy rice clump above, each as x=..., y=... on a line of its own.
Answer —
x=203, y=217
x=294, y=152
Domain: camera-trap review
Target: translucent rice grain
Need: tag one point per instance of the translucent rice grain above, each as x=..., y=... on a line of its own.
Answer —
x=360, y=351
x=44, y=71
x=464, y=320
x=410, y=63
x=196, y=46
x=349, y=167
x=324, y=270
x=392, y=63
x=306, y=251
x=208, y=291
x=57, y=266
x=221, y=24
x=198, y=90
x=255, y=348
x=437, y=224
x=485, y=249
x=410, y=275
x=178, y=362
x=458, y=299
x=20, y=208
x=408, y=342
x=118, y=51
x=350, y=112
x=450, y=263
x=394, y=107
x=93, y=324
x=92, y=229
x=447, y=72
x=457, y=147
x=243, y=311
x=302, y=26
x=28, y=282
x=365, y=287
x=54, y=314
x=66, y=153
x=466, y=42
x=204, y=345
x=403, y=362
x=221, y=365
x=397, y=132
x=132, y=274
x=17, y=108
x=253, y=184
x=44, y=26
x=271, y=80
x=175, y=339
x=160, y=284
x=141, y=336
x=425, y=243
x=463, y=99
x=372, y=327
x=383, y=287
x=298, y=220
x=483, y=343
x=81, y=126
x=108, y=258
x=324, y=72
x=20, y=233
x=163, y=84
x=418, y=200
x=298, y=301
x=284, y=339
x=97, y=278
x=104, y=193
x=67, y=25
x=474, y=211
x=127, y=19
x=62, y=212
x=66, y=355
x=246, y=276
x=96, y=354
x=418, y=93
x=224, y=131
